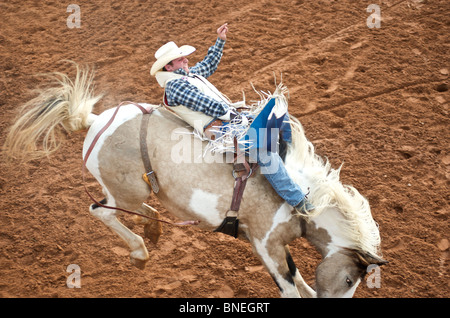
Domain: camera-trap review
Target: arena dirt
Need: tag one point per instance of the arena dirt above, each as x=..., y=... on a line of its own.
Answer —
x=375, y=99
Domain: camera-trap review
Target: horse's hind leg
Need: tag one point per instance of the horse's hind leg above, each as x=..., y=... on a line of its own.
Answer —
x=139, y=254
x=152, y=228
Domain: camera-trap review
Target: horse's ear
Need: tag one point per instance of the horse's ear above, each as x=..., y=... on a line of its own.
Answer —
x=367, y=259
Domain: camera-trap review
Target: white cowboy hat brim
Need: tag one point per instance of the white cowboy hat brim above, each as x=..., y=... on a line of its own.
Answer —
x=167, y=53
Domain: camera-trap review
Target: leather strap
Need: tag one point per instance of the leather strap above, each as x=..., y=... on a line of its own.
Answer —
x=149, y=176
x=239, y=186
x=241, y=172
x=91, y=147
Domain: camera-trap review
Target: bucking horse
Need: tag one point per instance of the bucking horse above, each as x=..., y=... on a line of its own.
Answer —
x=198, y=186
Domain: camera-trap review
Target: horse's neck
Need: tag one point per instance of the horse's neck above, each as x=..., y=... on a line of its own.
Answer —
x=327, y=232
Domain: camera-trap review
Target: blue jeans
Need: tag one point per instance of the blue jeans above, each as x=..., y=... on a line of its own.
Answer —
x=271, y=164
x=272, y=167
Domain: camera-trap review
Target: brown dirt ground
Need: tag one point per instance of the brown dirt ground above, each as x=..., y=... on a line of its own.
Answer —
x=376, y=99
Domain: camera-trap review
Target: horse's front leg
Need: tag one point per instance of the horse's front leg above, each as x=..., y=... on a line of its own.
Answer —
x=302, y=286
x=273, y=256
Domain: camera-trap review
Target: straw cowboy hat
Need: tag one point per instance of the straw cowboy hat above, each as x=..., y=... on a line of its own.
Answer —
x=169, y=52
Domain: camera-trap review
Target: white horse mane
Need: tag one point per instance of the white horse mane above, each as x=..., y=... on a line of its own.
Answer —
x=305, y=167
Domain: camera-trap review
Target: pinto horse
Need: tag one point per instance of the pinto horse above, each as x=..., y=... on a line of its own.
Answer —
x=199, y=186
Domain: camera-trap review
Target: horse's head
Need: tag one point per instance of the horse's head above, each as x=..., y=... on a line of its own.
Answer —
x=339, y=274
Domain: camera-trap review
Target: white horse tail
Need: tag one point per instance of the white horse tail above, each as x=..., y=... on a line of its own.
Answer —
x=64, y=106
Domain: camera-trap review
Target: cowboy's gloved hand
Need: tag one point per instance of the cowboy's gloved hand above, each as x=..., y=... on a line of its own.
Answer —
x=238, y=119
x=227, y=115
x=233, y=116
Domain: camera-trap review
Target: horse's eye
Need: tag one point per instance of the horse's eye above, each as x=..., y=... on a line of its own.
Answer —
x=349, y=282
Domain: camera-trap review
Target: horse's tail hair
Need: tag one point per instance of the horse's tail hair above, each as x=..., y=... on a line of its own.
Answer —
x=65, y=106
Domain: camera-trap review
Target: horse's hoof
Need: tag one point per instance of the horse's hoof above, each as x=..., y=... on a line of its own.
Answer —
x=153, y=231
x=138, y=263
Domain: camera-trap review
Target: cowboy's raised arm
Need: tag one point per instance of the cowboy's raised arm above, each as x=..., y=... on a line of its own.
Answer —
x=209, y=64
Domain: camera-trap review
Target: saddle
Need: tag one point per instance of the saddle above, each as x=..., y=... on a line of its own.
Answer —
x=261, y=135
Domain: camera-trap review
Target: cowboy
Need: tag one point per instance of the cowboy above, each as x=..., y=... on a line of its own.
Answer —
x=190, y=95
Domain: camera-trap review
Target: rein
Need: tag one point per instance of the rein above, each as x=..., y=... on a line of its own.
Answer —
x=88, y=153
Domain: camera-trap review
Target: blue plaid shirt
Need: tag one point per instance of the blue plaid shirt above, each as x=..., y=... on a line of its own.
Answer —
x=181, y=92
